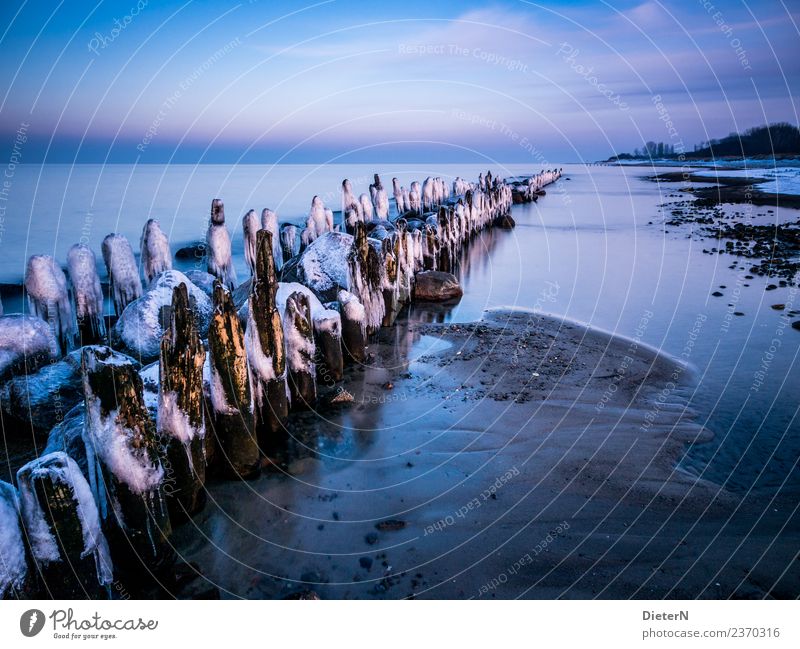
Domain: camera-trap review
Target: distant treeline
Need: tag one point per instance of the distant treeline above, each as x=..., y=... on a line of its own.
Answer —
x=780, y=139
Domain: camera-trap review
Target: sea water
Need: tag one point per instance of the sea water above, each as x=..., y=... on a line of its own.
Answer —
x=594, y=249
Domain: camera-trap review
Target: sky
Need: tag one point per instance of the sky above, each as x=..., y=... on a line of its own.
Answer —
x=348, y=81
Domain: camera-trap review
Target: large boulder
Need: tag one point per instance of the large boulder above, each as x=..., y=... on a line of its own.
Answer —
x=43, y=398
x=140, y=327
x=323, y=266
x=436, y=286
x=26, y=343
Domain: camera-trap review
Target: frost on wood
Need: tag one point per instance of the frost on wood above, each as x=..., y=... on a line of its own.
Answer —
x=63, y=526
x=319, y=221
x=181, y=416
x=46, y=288
x=218, y=247
x=288, y=241
x=269, y=222
x=380, y=200
x=300, y=351
x=13, y=558
x=250, y=226
x=232, y=412
x=125, y=468
x=352, y=211
x=265, y=347
x=140, y=327
x=154, y=246
x=327, y=326
x=26, y=343
x=123, y=273
x=366, y=271
x=87, y=295
x=354, y=327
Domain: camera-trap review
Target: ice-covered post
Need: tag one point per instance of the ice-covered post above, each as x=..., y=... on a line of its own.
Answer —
x=123, y=273
x=63, y=528
x=237, y=450
x=354, y=327
x=46, y=287
x=269, y=222
x=288, y=240
x=14, y=581
x=125, y=469
x=300, y=351
x=181, y=412
x=87, y=295
x=250, y=226
x=265, y=346
x=218, y=247
x=156, y=255
x=328, y=339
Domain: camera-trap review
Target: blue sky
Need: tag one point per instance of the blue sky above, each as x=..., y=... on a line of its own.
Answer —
x=340, y=81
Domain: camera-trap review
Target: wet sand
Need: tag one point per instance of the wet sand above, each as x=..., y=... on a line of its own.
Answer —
x=521, y=456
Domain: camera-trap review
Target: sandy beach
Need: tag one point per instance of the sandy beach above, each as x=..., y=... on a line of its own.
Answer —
x=538, y=462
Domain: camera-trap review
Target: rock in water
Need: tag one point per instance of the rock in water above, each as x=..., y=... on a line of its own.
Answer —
x=181, y=412
x=250, y=226
x=265, y=348
x=123, y=273
x=64, y=530
x=46, y=287
x=354, y=327
x=218, y=247
x=436, y=286
x=232, y=414
x=156, y=255
x=41, y=399
x=87, y=296
x=26, y=343
x=300, y=351
x=139, y=329
x=13, y=556
x=125, y=469
x=323, y=266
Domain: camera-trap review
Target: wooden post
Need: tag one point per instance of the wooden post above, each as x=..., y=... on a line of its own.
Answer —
x=237, y=452
x=300, y=351
x=181, y=417
x=265, y=347
x=125, y=469
x=63, y=528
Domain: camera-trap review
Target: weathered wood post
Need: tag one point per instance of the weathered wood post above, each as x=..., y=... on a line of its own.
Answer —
x=124, y=462
x=181, y=417
x=354, y=327
x=87, y=295
x=300, y=351
x=63, y=528
x=265, y=347
x=233, y=423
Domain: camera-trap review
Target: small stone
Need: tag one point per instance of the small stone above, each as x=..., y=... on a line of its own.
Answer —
x=371, y=538
x=365, y=562
x=717, y=294
x=392, y=524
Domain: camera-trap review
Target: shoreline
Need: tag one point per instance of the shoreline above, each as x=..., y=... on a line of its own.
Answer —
x=403, y=512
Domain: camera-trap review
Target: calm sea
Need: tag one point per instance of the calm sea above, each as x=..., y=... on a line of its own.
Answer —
x=594, y=249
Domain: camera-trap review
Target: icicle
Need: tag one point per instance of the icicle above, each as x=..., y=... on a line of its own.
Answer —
x=123, y=273
x=156, y=255
x=46, y=286
x=87, y=294
x=218, y=247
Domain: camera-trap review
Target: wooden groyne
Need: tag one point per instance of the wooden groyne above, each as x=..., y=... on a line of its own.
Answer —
x=234, y=361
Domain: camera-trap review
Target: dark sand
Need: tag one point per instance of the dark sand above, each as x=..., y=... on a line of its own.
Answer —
x=493, y=482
